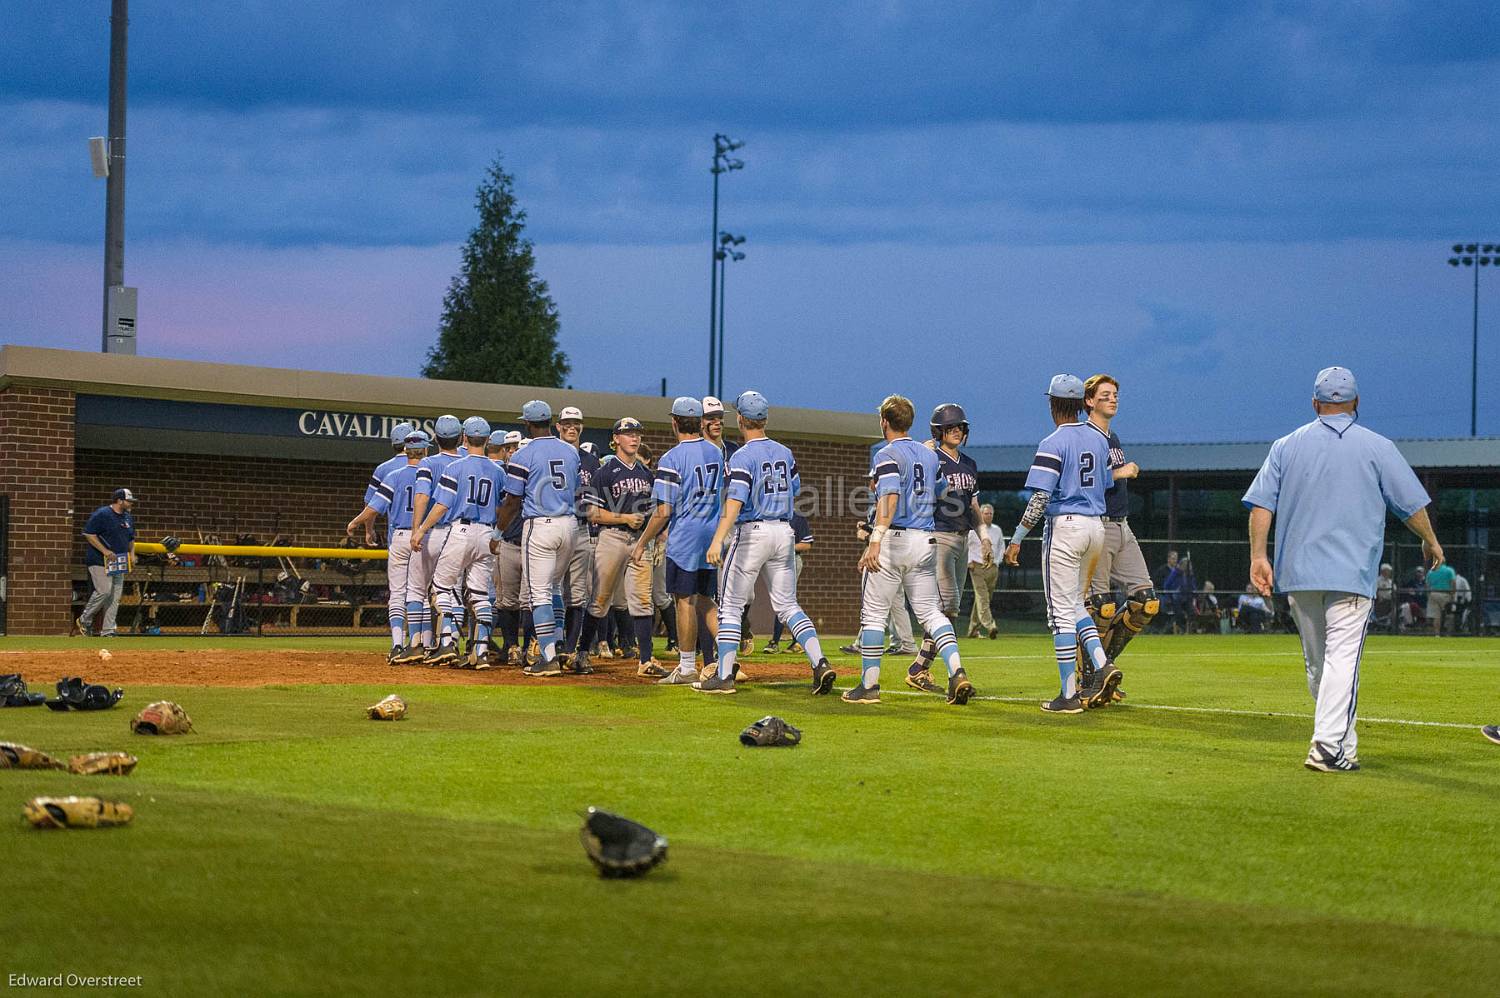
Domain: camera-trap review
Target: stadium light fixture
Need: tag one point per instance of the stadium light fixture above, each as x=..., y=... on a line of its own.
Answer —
x=1476, y=256
x=722, y=163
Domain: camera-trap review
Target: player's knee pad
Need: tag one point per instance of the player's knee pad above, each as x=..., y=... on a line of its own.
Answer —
x=1103, y=608
x=1141, y=606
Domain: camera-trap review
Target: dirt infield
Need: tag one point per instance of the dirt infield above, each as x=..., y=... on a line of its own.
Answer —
x=235, y=667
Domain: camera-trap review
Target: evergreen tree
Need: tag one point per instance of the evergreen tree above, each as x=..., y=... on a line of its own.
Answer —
x=499, y=324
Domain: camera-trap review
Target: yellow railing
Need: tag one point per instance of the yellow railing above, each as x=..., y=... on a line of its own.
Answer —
x=261, y=551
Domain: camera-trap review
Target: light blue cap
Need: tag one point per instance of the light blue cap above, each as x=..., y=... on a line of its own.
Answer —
x=448, y=427
x=536, y=411
x=476, y=426
x=1065, y=386
x=752, y=405
x=686, y=405
x=1335, y=384
x=497, y=438
x=399, y=433
x=415, y=440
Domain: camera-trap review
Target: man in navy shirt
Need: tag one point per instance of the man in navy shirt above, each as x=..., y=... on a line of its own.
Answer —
x=110, y=553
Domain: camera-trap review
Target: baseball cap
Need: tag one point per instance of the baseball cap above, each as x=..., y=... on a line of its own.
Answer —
x=712, y=406
x=627, y=424
x=588, y=447
x=686, y=405
x=570, y=412
x=125, y=494
x=536, y=411
x=476, y=426
x=1335, y=384
x=514, y=437
x=448, y=427
x=1065, y=386
x=400, y=432
x=497, y=438
x=752, y=405
x=415, y=440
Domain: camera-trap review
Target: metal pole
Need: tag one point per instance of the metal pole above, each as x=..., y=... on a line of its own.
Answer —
x=723, y=283
x=114, y=198
x=713, y=288
x=1474, y=364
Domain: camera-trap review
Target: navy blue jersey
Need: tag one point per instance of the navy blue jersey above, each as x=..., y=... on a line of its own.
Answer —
x=588, y=467
x=801, y=529
x=955, y=513
x=115, y=531
x=1117, y=498
x=621, y=488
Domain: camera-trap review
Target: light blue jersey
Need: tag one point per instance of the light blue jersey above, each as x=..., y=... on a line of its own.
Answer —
x=763, y=476
x=1329, y=484
x=690, y=477
x=544, y=474
x=471, y=486
x=393, y=496
x=378, y=475
x=905, y=468
x=1072, y=465
x=429, y=470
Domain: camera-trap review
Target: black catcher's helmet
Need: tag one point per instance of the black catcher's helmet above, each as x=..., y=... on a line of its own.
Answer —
x=946, y=415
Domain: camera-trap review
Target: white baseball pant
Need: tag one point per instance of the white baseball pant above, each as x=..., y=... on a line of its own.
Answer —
x=546, y=548
x=952, y=569
x=581, y=567
x=1332, y=627
x=397, y=565
x=1070, y=544
x=466, y=562
x=508, y=576
x=908, y=558
x=612, y=564
x=419, y=572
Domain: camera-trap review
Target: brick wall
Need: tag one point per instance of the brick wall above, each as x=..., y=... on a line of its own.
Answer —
x=36, y=472
x=309, y=502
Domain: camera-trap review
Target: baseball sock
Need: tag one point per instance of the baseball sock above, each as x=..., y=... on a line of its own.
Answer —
x=588, y=633
x=947, y=646
x=1066, y=646
x=546, y=631
x=397, y=617
x=509, y=627
x=804, y=634
x=643, y=648
x=414, y=620
x=1088, y=636
x=926, y=652
x=871, y=647
x=729, y=644
x=669, y=621
x=484, y=621
x=624, y=631
x=575, y=615
x=776, y=630
x=687, y=663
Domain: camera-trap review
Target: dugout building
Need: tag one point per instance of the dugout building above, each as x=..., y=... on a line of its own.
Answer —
x=237, y=451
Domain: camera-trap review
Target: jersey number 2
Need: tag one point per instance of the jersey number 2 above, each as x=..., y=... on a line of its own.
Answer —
x=1086, y=469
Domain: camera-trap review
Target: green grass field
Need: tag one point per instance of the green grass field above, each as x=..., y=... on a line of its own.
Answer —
x=1171, y=845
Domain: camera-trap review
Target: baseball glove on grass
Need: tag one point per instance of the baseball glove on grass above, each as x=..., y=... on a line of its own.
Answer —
x=620, y=847
x=102, y=764
x=76, y=812
x=13, y=756
x=392, y=708
x=161, y=718
x=770, y=732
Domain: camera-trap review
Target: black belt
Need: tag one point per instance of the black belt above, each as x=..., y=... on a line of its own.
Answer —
x=470, y=523
x=1115, y=519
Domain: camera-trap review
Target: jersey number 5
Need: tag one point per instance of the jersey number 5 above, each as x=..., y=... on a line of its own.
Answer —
x=558, y=481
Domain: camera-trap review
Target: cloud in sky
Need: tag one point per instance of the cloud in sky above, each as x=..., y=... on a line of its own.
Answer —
x=964, y=197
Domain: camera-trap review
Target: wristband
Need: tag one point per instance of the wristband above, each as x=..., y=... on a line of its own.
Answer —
x=1021, y=531
x=877, y=534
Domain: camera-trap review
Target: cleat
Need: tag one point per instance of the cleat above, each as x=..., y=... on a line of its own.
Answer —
x=959, y=689
x=676, y=678
x=771, y=648
x=443, y=654
x=581, y=667
x=565, y=659
x=794, y=649
x=606, y=653
x=652, y=670
x=1063, y=705
x=543, y=669
x=994, y=633
x=482, y=660
x=893, y=649
x=850, y=649
x=410, y=655
x=1101, y=689
x=715, y=685
x=1492, y=732
x=394, y=658
x=76, y=628
x=512, y=655
x=1117, y=695
x=1324, y=761
x=862, y=694
x=922, y=680
x=739, y=675
x=822, y=678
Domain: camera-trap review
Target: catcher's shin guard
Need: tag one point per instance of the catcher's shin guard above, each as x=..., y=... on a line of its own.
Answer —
x=1140, y=607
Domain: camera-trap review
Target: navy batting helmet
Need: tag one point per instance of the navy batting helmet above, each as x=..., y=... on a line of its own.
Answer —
x=947, y=415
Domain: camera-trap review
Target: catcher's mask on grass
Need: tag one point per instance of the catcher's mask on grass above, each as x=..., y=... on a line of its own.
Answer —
x=618, y=846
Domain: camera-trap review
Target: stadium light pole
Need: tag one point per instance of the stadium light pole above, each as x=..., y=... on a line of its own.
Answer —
x=725, y=253
x=1475, y=256
x=723, y=163
x=118, y=323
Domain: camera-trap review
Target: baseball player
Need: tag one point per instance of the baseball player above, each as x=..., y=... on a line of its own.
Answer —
x=393, y=497
x=688, y=494
x=802, y=542
x=762, y=484
x=580, y=578
x=541, y=486
x=399, y=433
x=506, y=546
x=449, y=432
x=619, y=502
x=902, y=553
x=1121, y=566
x=473, y=432
x=713, y=432
x=470, y=486
x=1068, y=478
x=1328, y=484
x=952, y=519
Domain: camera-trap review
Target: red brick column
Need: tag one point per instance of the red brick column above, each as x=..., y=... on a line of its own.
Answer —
x=36, y=472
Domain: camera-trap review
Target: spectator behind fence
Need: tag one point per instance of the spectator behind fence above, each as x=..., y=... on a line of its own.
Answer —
x=1208, y=608
x=1439, y=595
x=1382, y=614
x=1463, y=602
x=1253, y=612
x=1413, y=597
x=1177, y=592
x=986, y=545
